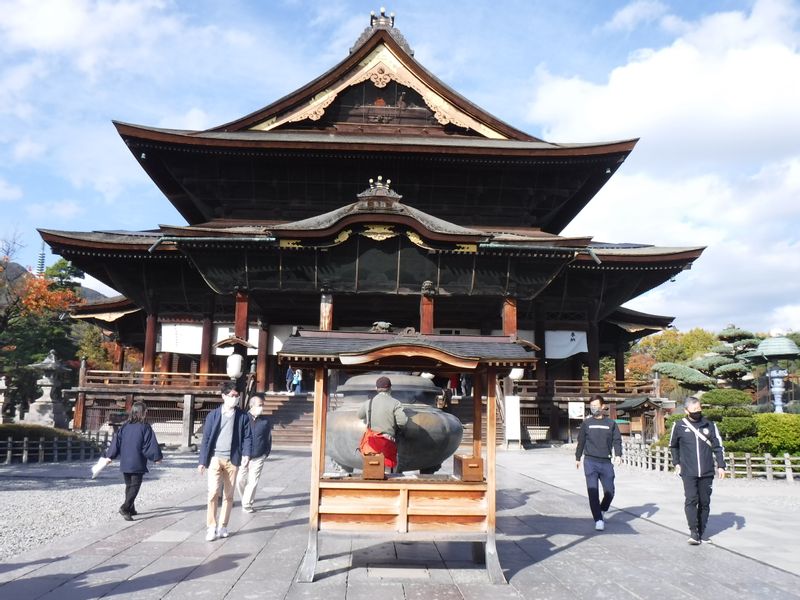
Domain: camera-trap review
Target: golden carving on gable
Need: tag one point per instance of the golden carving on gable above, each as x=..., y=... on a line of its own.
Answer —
x=342, y=237
x=415, y=239
x=466, y=248
x=379, y=233
x=380, y=67
x=290, y=244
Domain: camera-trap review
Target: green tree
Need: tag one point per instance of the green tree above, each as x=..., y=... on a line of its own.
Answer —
x=63, y=274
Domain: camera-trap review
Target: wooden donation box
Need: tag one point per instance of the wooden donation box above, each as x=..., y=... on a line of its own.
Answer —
x=468, y=468
x=374, y=467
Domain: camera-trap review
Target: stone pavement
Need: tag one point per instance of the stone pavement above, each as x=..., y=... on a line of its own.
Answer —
x=546, y=543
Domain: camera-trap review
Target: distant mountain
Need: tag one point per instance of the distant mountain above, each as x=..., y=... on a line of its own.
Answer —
x=16, y=270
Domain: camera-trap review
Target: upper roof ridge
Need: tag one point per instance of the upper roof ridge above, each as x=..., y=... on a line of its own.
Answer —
x=386, y=23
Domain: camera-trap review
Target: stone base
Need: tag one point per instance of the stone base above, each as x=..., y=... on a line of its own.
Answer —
x=49, y=414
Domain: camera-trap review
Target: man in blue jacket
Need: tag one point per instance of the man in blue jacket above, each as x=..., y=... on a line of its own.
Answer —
x=227, y=445
x=695, y=444
x=249, y=474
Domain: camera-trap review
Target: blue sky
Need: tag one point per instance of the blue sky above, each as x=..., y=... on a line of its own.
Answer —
x=711, y=88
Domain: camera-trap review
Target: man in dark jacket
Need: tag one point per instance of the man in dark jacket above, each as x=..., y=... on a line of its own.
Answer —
x=227, y=445
x=695, y=443
x=249, y=474
x=134, y=443
x=598, y=436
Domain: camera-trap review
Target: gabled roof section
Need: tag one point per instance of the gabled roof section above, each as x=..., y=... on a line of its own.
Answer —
x=383, y=58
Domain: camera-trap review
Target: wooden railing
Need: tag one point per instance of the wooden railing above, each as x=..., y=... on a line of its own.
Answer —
x=741, y=465
x=122, y=379
x=56, y=449
x=584, y=387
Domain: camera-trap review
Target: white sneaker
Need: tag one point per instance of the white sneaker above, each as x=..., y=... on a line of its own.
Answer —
x=248, y=509
x=223, y=532
x=599, y=525
x=211, y=534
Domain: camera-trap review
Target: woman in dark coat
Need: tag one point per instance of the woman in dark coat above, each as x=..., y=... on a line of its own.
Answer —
x=134, y=443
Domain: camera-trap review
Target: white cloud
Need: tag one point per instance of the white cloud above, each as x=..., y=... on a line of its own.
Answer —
x=27, y=149
x=718, y=163
x=786, y=318
x=9, y=192
x=634, y=14
x=721, y=96
x=54, y=212
x=193, y=119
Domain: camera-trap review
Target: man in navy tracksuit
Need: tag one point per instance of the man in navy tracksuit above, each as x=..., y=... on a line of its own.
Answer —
x=598, y=436
x=695, y=443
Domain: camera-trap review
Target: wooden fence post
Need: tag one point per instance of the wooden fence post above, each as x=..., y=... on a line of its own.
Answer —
x=41, y=450
x=9, y=449
x=748, y=465
x=83, y=449
x=69, y=448
x=787, y=461
x=24, y=450
x=732, y=465
x=55, y=448
x=768, y=465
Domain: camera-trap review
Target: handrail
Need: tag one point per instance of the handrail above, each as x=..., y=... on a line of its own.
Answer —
x=585, y=387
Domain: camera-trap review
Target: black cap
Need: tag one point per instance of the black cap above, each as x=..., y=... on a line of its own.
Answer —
x=383, y=383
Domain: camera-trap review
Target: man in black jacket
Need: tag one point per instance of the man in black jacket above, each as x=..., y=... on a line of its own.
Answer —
x=598, y=436
x=695, y=443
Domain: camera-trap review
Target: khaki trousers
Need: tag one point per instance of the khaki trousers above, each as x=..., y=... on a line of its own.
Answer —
x=247, y=480
x=220, y=471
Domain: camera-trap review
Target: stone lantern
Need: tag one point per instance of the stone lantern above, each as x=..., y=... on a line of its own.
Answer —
x=770, y=351
x=6, y=412
x=48, y=409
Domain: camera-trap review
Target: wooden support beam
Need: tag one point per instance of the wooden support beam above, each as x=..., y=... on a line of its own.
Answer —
x=593, y=345
x=309, y=564
x=493, y=567
x=509, y=316
x=426, y=314
x=242, y=308
x=205, y=347
x=262, y=359
x=539, y=340
x=119, y=356
x=149, y=361
x=477, y=411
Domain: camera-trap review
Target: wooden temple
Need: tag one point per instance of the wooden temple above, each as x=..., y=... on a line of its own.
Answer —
x=375, y=193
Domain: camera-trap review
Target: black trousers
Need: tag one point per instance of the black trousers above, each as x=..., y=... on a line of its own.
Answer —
x=133, y=481
x=697, y=491
x=603, y=471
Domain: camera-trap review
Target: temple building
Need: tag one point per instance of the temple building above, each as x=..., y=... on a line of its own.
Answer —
x=374, y=197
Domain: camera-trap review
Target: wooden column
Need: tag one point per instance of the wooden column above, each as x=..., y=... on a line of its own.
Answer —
x=80, y=404
x=119, y=356
x=326, y=312
x=262, y=360
x=426, y=313
x=206, y=342
x=150, y=335
x=539, y=340
x=509, y=316
x=165, y=366
x=242, y=314
x=593, y=345
x=493, y=568
x=309, y=564
x=477, y=411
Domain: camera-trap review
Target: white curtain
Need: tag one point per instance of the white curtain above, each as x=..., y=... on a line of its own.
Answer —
x=561, y=344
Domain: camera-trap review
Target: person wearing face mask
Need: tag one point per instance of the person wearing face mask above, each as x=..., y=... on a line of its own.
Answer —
x=598, y=437
x=249, y=474
x=227, y=445
x=695, y=444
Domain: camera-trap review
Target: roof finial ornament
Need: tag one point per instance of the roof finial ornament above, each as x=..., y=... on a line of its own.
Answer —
x=379, y=189
x=386, y=22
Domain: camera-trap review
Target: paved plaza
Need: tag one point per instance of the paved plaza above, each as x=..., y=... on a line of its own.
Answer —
x=546, y=542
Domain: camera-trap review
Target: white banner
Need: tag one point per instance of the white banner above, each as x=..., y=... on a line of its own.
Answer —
x=512, y=422
x=561, y=344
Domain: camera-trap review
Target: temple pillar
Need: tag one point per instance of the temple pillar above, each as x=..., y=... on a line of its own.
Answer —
x=150, y=336
x=593, y=354
x=262, y=360
x=539, y=340
x=326, y=311
x=165, y=366
x=509, y=316
x=206, y=342
x=240, y=330
x=119, y=356
x=619, y=366
x=426, y=308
